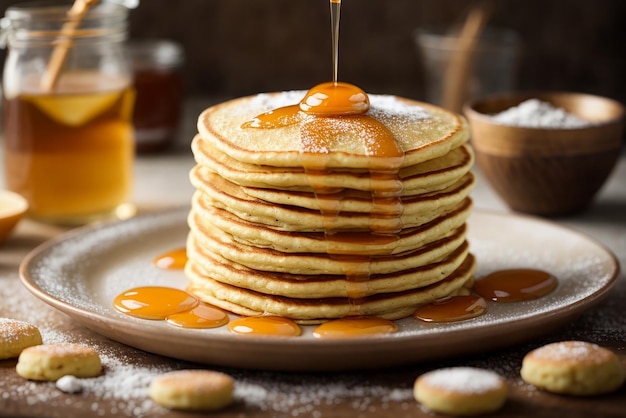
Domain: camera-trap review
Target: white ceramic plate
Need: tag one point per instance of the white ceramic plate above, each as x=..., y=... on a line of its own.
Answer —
x=81, y=272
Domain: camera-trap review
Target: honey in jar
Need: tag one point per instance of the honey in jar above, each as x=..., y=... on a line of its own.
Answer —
x=68, y=147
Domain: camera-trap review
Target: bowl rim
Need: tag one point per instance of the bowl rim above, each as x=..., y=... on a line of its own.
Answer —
x=469, y=108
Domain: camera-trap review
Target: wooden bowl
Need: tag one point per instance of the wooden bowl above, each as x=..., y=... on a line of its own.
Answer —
x=12, y=208
x=547, y=171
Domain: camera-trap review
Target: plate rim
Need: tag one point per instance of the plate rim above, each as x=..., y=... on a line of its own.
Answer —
x=554, y=317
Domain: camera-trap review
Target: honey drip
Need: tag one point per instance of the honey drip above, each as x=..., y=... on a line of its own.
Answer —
x=455, y=308
x=265, y=325
x=175, y=306
x=335, y=110
x=354, y=326
x=515, y=285
x=172, y=260
x=379, y=144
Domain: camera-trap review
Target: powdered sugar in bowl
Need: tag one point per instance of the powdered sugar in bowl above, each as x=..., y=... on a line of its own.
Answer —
x=546, y=153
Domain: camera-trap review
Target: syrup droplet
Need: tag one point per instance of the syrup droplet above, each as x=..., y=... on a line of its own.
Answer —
x=515, y=285
x=335, y=99
x=153, y=302
x=172, y=260
x=202, y=316
x=355, y=326
x=455, y=308
x=265, y=325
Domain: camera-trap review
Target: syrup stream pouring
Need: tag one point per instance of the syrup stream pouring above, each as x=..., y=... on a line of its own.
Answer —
x=335, y=8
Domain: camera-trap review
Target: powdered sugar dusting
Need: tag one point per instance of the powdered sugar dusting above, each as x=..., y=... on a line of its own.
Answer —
x=392, y=105
x=269, y=101
x=463, y=380
x=12, y=331
x=575, y=351
x=534, y=113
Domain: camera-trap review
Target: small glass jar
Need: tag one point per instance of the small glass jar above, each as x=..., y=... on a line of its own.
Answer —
x=156, y=66
x=68, y=143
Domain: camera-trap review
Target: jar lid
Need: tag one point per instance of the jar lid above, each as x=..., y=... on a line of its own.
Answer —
x=40, y=21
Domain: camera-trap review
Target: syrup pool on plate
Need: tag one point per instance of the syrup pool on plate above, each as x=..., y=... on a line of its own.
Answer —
x=350, y=327
x=454, y=308
x=172, y=260
x=202, y=316
x=515, y=285
x=265, y=325
x=154, y=302
x=175, y=306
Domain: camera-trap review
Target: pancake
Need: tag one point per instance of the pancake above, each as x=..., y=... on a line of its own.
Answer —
x=384, y=305
x=204, y=218
x=214, y=191
x=208, y=264
x=214, y=185
x=428, y=176
x=450, y=230
x=324, y=217
x=423, y=131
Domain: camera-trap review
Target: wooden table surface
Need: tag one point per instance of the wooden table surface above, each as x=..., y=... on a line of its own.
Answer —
x=161, y=182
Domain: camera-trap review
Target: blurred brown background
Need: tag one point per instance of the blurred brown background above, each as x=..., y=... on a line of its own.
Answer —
x=237, y=47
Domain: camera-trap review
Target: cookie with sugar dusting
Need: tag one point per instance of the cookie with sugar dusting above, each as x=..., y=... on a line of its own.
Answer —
x=197, y=390
x=461, y=391
x=15, y=336
x=573, y=368
x=53, y=361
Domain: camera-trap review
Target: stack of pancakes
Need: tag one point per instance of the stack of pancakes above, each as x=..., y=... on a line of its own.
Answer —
x=259, y=243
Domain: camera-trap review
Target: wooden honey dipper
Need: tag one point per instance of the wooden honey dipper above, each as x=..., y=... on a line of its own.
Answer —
x=59, y=54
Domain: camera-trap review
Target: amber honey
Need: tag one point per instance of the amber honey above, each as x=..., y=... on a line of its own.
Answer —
x=70, y=153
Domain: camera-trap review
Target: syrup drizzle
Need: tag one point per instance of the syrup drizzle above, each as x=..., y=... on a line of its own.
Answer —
x=338, y=110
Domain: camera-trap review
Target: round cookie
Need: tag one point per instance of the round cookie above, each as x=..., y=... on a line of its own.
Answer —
x=193, y=390
x=573, y=368
x=53, y=361
x=461, y=391
x=15, y=336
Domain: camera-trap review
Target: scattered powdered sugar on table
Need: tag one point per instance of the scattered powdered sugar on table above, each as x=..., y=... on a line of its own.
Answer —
x=534, y=113
x=299, y=398
x=463, y=379
x=69, y=384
